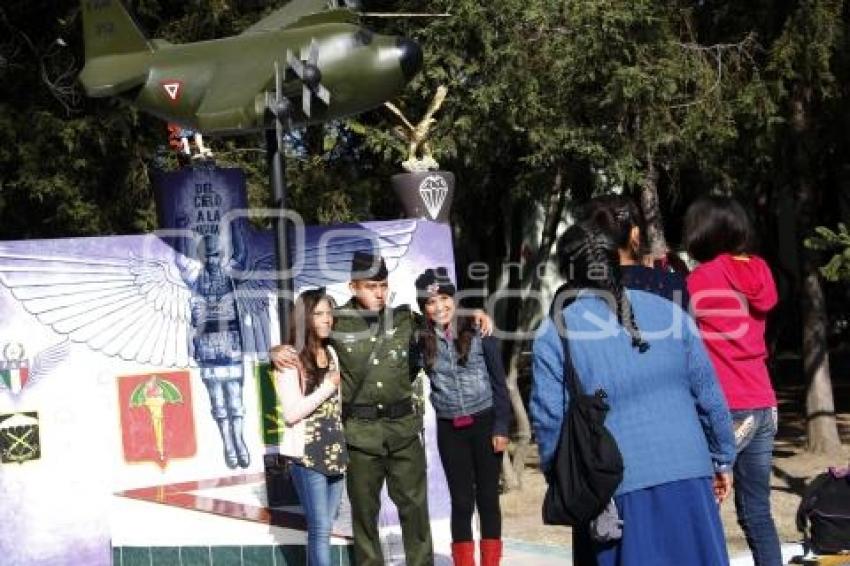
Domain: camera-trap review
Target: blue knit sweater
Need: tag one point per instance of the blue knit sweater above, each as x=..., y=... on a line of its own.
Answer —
x=667, y=414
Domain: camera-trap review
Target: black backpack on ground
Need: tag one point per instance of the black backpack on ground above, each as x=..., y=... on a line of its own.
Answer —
x=824, y=513
x=587, y=467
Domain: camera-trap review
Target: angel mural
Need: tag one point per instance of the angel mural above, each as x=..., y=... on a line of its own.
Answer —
x=217, y=339
x=152, y=301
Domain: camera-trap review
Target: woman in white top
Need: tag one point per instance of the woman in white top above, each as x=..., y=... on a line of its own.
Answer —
x=313, y=437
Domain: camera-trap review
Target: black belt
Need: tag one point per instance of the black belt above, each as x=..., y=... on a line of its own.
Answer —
x=378, y=411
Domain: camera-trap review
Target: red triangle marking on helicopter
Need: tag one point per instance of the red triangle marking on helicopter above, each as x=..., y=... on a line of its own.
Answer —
x=173, y=89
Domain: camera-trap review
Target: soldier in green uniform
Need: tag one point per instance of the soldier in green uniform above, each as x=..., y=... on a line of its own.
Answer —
x=382, y=429
x=375, y=345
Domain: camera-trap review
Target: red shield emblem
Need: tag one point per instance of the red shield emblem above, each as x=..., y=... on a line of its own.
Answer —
x=156, y=417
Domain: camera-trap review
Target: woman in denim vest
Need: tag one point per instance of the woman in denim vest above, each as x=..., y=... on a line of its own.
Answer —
x=469, y=395
x=310, y=395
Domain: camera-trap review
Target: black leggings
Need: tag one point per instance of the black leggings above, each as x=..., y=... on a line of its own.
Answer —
x=472, y=471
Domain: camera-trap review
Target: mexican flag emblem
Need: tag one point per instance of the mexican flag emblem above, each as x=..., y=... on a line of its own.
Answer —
x=14, y=375
x=156, y=417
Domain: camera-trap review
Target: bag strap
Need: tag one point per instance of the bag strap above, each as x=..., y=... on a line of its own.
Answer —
x=572, y=382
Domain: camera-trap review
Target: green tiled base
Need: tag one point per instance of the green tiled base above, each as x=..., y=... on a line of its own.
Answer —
x=278, y=555
x=193, y=556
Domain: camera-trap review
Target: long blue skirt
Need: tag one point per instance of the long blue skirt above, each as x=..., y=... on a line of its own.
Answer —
x=675, y=524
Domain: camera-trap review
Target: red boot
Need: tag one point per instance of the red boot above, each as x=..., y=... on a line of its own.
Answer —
x=491, y=551
x=463, y=553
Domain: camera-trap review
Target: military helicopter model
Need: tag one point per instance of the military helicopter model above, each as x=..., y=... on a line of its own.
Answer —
x=308, y=62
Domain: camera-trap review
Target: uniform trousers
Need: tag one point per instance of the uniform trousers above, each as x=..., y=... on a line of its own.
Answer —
x=404, y=469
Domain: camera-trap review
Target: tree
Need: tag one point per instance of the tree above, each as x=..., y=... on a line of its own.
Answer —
x=802, y=59
x=549, y=104
x=838, y=268
x=792, y=123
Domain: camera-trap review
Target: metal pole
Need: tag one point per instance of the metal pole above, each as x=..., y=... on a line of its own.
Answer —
x=277, y=176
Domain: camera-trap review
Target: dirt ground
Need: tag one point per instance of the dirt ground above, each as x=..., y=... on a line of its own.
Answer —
x=793, y=468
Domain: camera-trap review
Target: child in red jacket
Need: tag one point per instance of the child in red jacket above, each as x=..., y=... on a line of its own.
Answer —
x=732, y=291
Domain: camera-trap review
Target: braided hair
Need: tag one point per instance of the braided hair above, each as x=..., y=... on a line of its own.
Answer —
x=617, y=215
x=588, y=260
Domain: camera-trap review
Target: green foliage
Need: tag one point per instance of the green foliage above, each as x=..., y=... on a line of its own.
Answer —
x=838, y=268
x=594, y=90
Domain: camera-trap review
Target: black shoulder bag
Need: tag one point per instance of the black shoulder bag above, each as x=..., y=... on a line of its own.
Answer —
x=824, y=513
x=588, y=466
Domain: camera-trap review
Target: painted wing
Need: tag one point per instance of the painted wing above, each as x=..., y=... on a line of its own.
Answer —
x=326, y=257
x=49, y=359
x=232, y=93
x=253, y=291
x=133, y=308
x=301, y=12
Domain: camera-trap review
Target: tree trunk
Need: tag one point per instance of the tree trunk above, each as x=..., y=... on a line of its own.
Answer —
x=821, y=425
x=652, y=210
x=513, y=464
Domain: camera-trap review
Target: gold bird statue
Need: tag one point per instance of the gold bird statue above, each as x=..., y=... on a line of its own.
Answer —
x=419, y=156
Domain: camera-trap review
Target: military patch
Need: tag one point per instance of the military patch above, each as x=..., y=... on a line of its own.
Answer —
x=157, y=422
x=14, y=375
x=16, y=370
x=173, y=89
x=19, y=438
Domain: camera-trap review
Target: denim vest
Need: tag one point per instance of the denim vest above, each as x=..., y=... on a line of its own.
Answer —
x=458, y=390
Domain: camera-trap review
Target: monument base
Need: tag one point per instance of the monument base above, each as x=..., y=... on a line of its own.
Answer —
x=426, y=194
x=225, y=522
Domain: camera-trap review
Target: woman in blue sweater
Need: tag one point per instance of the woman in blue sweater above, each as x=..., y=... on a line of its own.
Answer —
x=668, y=416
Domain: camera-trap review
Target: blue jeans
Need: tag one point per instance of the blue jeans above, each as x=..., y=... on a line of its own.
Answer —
x=754, y=432
x=319, y=496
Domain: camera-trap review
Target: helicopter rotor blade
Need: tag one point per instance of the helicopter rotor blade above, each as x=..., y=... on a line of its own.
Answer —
x=278, y=123
x=313, y=57
x=306, y=98
x=306, y=68
x=323, y=94
x=295, y=64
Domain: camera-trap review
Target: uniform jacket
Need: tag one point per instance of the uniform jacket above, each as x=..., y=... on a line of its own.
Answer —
x=386, y=380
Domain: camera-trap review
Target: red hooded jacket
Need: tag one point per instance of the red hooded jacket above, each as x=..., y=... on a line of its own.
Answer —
x=730, y=299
